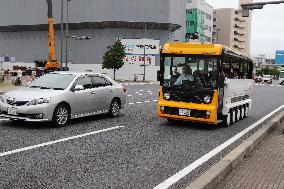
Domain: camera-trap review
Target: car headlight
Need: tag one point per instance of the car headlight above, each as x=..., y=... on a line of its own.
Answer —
x=207, y=99
x=167, y=96
x=39, y=101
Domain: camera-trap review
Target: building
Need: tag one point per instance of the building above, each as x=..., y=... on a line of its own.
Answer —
x=260, y=60
x=231, y=29
x=23, y=31
x=199, y=20
x=279, y=58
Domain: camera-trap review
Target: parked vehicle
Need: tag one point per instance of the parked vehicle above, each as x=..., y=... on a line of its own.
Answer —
x=267, y=79
x=258, y=79
x=61, y=96
x=281, y=78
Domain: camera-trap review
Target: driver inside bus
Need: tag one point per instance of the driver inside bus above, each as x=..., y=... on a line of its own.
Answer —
x=185, y=76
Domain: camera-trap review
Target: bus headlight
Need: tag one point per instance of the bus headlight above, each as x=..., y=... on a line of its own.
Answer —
x=167, y=96
x=207, y=99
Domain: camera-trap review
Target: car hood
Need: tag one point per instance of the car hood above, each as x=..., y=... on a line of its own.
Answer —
x=28, y=94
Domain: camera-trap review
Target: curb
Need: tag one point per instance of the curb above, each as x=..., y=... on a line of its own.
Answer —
x=219, y=171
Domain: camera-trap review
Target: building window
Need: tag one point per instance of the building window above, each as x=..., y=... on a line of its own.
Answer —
x=210, y=28
x=191, y=23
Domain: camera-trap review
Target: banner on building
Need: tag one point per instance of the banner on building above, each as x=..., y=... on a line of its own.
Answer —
x=134, y=49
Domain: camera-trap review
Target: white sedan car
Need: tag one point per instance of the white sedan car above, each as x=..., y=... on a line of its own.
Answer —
x=61, y=96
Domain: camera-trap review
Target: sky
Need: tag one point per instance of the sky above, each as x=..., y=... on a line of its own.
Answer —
x=267, y=26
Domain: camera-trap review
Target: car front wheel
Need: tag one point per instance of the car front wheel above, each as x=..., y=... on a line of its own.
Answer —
x=61, y=115
x=114, y=108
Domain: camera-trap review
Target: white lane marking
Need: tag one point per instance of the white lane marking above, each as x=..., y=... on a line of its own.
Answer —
x=128, y=95
x=131, y=83
x=155, y=100
x=262, y=84
x=279, y=85
x=137, y=92
x=2, y=154
x=147, y=101
x=141, y=90
x=130, y=103
x=179, y=175
x=149, y=91
x=140, y=94
x=138, y=102
x=272, y=85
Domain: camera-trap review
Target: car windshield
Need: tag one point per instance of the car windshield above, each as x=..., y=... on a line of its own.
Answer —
x=53, y=81
x=199, y=73
x=266, y=76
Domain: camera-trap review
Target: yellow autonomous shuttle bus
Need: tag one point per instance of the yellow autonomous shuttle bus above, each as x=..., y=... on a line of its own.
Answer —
x=204, y=83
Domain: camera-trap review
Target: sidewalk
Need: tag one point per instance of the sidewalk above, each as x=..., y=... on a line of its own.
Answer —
x=263, y=169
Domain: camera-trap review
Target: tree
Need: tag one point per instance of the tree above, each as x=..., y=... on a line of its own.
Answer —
x=113, y=58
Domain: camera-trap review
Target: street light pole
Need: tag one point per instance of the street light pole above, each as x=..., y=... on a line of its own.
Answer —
x=62, y=35
x=67, y=33
x=144, y=74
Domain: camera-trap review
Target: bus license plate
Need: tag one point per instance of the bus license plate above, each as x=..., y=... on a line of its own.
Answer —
x=184, y=112
x=12, y=111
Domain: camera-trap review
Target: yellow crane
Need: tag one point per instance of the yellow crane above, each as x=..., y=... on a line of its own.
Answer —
x=52, y=63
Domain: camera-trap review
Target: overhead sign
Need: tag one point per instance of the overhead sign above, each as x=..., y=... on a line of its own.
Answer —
x=2, y=59
x=134, y=49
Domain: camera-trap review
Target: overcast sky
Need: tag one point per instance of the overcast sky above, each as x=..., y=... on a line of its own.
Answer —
x=267, y=27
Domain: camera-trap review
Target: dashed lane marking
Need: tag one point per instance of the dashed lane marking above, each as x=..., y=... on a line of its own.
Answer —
x=2, y=154
x=147, y=101
x=155, y=100
x=138, y=102
x=130, y=103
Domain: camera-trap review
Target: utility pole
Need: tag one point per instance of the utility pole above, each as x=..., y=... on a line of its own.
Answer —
x=62, y=35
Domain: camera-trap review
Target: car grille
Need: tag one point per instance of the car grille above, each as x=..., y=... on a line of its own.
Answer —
x=193, y=113
x=16, y=103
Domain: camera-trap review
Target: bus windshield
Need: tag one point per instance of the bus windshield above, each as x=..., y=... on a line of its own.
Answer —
x=190, y=72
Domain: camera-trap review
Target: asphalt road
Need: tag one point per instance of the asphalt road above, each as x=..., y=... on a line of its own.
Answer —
x=142, y=153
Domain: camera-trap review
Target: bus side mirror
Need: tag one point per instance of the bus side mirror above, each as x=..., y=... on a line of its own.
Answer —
x=159, y=75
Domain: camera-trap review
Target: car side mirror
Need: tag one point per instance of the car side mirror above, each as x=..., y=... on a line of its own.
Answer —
x=159, y=76
x=78, y=88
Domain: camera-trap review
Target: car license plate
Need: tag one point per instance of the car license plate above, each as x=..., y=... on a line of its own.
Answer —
x=12, y=111
x=184, y=112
